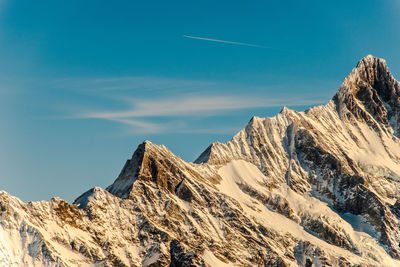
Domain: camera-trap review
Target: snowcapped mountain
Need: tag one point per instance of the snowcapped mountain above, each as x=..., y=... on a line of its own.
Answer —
x=313, y=188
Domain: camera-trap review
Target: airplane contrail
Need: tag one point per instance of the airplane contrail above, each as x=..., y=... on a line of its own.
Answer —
x=226, y=42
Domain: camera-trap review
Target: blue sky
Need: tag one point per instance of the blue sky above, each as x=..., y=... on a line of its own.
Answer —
x=82, y=83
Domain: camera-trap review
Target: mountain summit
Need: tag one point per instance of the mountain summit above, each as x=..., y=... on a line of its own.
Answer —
x=370, y=90
x=312, y=188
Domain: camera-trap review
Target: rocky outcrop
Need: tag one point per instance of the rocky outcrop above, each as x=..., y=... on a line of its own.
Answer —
x=371, y=94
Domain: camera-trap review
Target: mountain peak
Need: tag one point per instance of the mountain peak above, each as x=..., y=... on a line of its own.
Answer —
x=134, y=166
x=368, y=70
x=372, y=69
x=370, y=59
x=150, y=164
x=285, y=111
x=371, y=94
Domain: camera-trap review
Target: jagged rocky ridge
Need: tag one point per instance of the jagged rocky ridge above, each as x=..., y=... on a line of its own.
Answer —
x=312, y=188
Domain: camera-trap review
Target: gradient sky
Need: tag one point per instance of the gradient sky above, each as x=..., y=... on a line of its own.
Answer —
x=82, y=83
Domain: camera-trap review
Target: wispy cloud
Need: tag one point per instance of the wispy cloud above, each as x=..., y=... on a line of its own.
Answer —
x=150, y=105
x=225, y=41
x=141, y=126
x=191, y=105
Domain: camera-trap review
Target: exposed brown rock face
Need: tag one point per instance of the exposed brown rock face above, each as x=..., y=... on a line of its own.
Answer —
x=313, y=188
x=371, y=91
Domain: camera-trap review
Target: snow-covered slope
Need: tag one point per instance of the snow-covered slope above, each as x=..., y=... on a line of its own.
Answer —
x=313, y=188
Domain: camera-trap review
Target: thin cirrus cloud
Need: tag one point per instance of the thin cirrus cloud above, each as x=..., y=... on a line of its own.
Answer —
x=141, y=111
x=154, y=105
x=142, y=126
x=192, y=105
x=225, y=41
